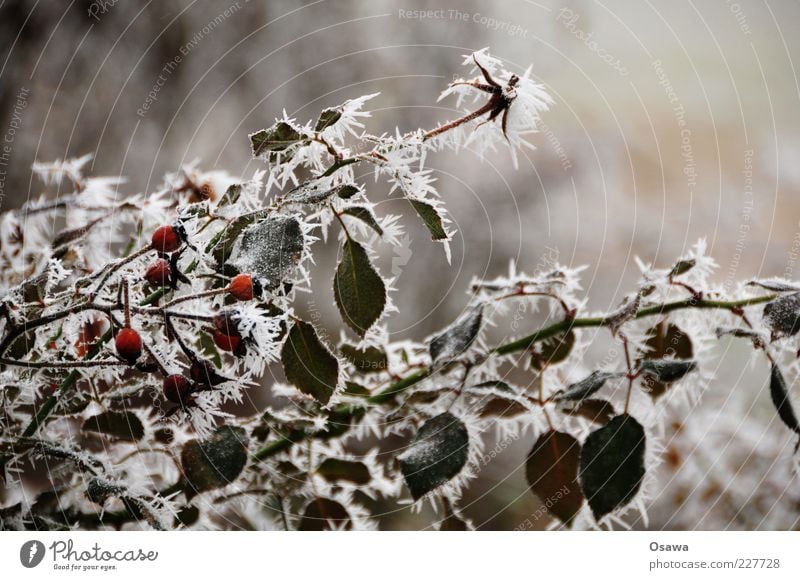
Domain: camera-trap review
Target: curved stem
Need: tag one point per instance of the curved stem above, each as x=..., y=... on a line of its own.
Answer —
x=514, y=346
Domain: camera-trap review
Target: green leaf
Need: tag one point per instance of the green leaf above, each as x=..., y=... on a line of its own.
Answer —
x=774, y=285
x=665, y=340
x=221, y=251
x=216, y=461
x=209, y=350
x=98, y=490
x=324, y=514
x=347, y=191
x=73, y=402
x=231, y=195
x=436, y=455
x=308, y=364
x=431, y=219
x=359, y=291
x=487, y=386
x=553, y=350
x=552, y=472
x=276, y=143
x=452, y=521
x=782, y=315
x=502, y=407
x=311, y=194
x=597, y=411
x=667, y=371
x=186, y=516
x=682, y=267
x=270, y=249
x=21, y=346
x=355, y=390
x=333, y=469
x=364, y=214
x=328, y=118
x=587, y=387
x=612, y=465
x=458, y=337
x=34, y=289
x=368, y=360
x=118, y=424
x=780, y=398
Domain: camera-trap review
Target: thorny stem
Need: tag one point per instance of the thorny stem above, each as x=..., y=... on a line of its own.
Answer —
x=341, y=223
x=458, y=122
x=127, y=302
x=375, y=153
x=629, y=366
x=109, y=270
x=49, y=405
x=515, y=346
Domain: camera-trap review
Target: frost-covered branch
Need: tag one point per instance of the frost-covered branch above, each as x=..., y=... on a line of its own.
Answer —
x=141, y=336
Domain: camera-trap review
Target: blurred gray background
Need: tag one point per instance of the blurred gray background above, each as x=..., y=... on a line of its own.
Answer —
x=673, y=120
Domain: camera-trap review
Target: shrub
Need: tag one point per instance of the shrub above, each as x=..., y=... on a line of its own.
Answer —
x=120, y=358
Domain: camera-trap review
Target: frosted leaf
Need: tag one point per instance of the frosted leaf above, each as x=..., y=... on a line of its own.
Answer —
x=775, y=285
x=586, y=387
x=308, y=364
x=359, y=290
x=779, y=394
x=437, y=454
x=276, y=144
x=270, y=249
x=612, y=465
x=458, y=337
x=667, y=371
x=56, y=171
x=215, y=461
x=116, y=424
x=365, y=215
x=782, y=315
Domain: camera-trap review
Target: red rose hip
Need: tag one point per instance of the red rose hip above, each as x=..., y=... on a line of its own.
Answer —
x=159, y=273
x=242, y=287
x=177, y=388
x=203, y=372
x=227, y=322
x=166, y=239
x=227, y=342
x=128, y=344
